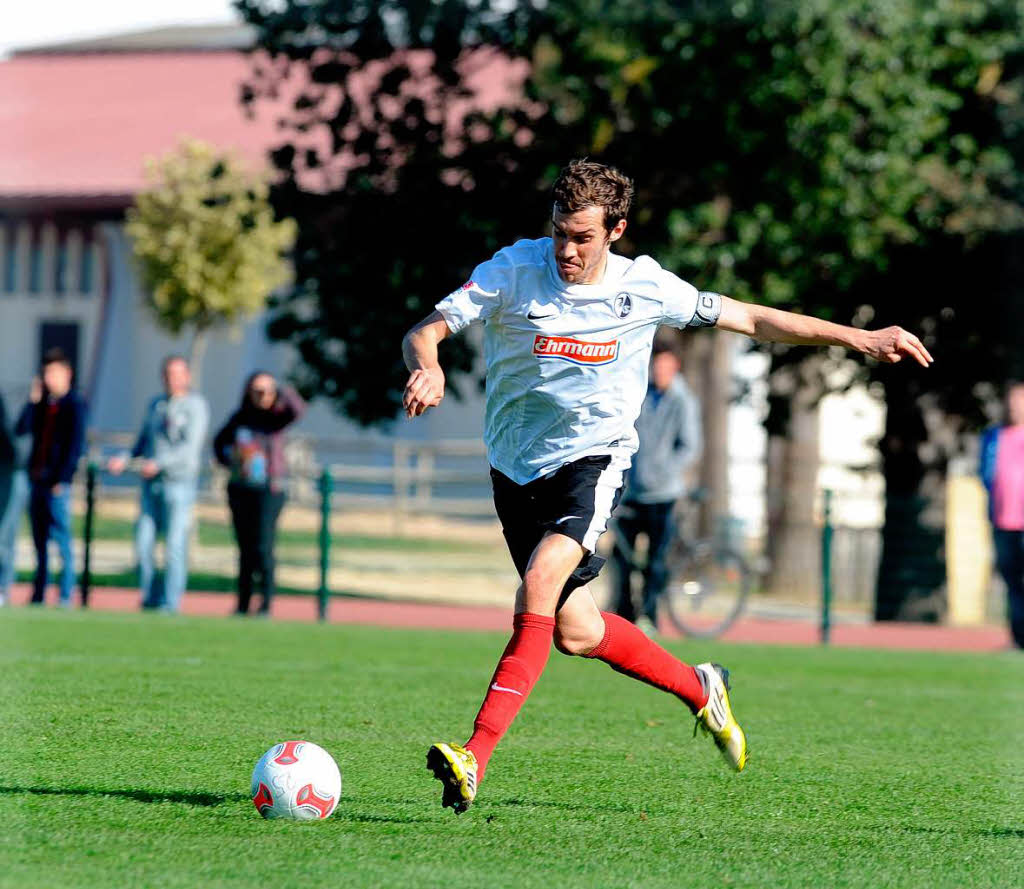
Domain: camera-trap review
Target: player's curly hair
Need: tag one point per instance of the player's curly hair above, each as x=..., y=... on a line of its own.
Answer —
x=585, y=183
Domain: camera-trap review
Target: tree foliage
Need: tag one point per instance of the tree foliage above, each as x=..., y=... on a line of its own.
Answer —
x=207, y=244
x=853, y=159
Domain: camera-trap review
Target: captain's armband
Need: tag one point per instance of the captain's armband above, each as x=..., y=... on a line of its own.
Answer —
x=709, y=307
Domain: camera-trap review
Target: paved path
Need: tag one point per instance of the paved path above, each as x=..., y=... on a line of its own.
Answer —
x=377, y=612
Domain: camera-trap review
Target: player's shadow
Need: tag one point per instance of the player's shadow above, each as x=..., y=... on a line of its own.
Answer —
x=186, y=797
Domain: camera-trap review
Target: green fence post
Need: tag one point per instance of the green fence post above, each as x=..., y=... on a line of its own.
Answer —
x=90, y=507
x=326, y=486
x=826, y=570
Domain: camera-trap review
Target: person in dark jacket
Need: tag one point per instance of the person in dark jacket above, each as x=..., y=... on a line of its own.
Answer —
x=251, y=445
x=1002, y=471
x=14, y=491
x=671, y=438
x=55, y=417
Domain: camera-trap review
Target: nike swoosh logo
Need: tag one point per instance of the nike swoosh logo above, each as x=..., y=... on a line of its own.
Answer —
x=534, y=317
x=497, y=687
x=566, y=518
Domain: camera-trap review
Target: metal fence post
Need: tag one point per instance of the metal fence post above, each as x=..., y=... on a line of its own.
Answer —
x=826, y=570
x=326, y=487
x=90, y=507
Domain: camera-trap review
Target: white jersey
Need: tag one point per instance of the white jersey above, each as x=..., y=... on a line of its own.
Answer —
x=567, y=363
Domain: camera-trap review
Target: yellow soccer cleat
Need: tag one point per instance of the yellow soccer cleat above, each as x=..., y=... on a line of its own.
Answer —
x=455, y=767
x=716, y=718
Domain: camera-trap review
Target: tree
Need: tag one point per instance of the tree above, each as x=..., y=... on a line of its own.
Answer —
x=855, y=159
x=208, y=247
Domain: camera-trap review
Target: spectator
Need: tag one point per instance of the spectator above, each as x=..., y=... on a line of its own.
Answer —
x=13, y=499
x=251, y=445
x=55, y=417
x=669, y=428
x=1002, y=471
x=169, y=447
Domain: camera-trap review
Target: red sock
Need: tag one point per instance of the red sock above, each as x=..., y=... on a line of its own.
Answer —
x=628, y=651
x=519, y=668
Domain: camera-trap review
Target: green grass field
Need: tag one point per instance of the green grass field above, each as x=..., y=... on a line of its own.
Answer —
x=127, y=742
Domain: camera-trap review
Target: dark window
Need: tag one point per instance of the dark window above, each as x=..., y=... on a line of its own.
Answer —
x=85, y=270
x=10, y=259
x=60, y=283
x=35, y=264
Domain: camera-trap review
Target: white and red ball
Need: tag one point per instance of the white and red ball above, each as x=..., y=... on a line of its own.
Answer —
x=296, y=780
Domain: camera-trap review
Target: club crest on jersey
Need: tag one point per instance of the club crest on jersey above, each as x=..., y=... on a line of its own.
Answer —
x=577, y=351
x=623, y=304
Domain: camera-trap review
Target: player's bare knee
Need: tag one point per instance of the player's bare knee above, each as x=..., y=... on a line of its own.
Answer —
x=578, y=641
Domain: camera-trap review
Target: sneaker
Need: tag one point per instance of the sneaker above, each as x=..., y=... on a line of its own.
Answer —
x=716, y=718
x=455, y=767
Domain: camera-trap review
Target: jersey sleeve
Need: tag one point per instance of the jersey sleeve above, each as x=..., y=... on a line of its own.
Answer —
x=685, y=306
x=481, y=297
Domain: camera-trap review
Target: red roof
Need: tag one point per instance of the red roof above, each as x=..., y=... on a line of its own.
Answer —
x=83, y=124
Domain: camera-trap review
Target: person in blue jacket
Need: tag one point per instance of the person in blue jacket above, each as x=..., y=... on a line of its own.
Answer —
x=1002, y=471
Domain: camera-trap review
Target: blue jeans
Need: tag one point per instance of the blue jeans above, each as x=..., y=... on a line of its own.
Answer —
x=656, y=521
x=1010, y=561
x=166, y=508
x=51, y=518
x=10, y=520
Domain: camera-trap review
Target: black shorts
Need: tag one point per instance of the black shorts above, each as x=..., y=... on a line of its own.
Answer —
x=576, y=500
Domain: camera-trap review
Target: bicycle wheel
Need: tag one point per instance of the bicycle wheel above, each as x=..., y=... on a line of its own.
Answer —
x=707, y=590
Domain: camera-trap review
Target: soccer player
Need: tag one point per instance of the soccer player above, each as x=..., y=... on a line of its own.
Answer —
x=568, y=329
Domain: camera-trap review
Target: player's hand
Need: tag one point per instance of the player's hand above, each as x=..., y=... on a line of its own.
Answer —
x=35, y=392
x=116, y=465
x=424, y=389
x=149, y=468
x=892, y=344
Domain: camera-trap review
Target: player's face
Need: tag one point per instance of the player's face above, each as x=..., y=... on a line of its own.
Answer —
x=581, y=244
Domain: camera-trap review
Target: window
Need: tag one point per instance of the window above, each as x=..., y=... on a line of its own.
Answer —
x=10, y=260
x=85, y=272
x=60, y=278
x=35, y=263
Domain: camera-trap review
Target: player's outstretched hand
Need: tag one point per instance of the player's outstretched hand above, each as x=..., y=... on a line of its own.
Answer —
x=424, y=389
x=893, y=343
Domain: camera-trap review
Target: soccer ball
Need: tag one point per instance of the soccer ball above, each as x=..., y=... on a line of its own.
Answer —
x=296, y=780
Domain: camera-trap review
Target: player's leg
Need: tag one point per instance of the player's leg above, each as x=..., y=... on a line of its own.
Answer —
x=461, y=767
x=582, y=629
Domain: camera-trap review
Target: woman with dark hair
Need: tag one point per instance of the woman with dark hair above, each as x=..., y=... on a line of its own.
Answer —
x=251, y=445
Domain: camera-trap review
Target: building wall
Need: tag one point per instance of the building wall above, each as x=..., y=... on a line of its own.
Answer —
x=121, y=349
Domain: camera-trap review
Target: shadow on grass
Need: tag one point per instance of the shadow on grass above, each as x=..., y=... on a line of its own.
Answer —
x=194, y=798
x=999, y=832
x=189, y=798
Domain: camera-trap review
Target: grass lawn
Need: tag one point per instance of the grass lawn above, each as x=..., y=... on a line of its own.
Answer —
x=128, y=741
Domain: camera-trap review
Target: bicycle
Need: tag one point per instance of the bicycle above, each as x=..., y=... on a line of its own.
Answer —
x=709, y=580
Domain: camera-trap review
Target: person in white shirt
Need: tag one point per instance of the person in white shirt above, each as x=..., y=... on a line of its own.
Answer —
x=568, y=328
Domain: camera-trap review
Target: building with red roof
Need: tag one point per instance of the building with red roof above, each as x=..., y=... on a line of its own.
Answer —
x=79, y=121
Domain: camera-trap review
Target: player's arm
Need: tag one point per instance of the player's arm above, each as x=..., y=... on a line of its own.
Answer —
x=768, y=325
x=425, y=387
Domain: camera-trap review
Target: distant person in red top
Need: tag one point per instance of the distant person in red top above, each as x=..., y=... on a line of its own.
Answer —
x=251, y=445
x=1002, y=470
x=55, y=417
